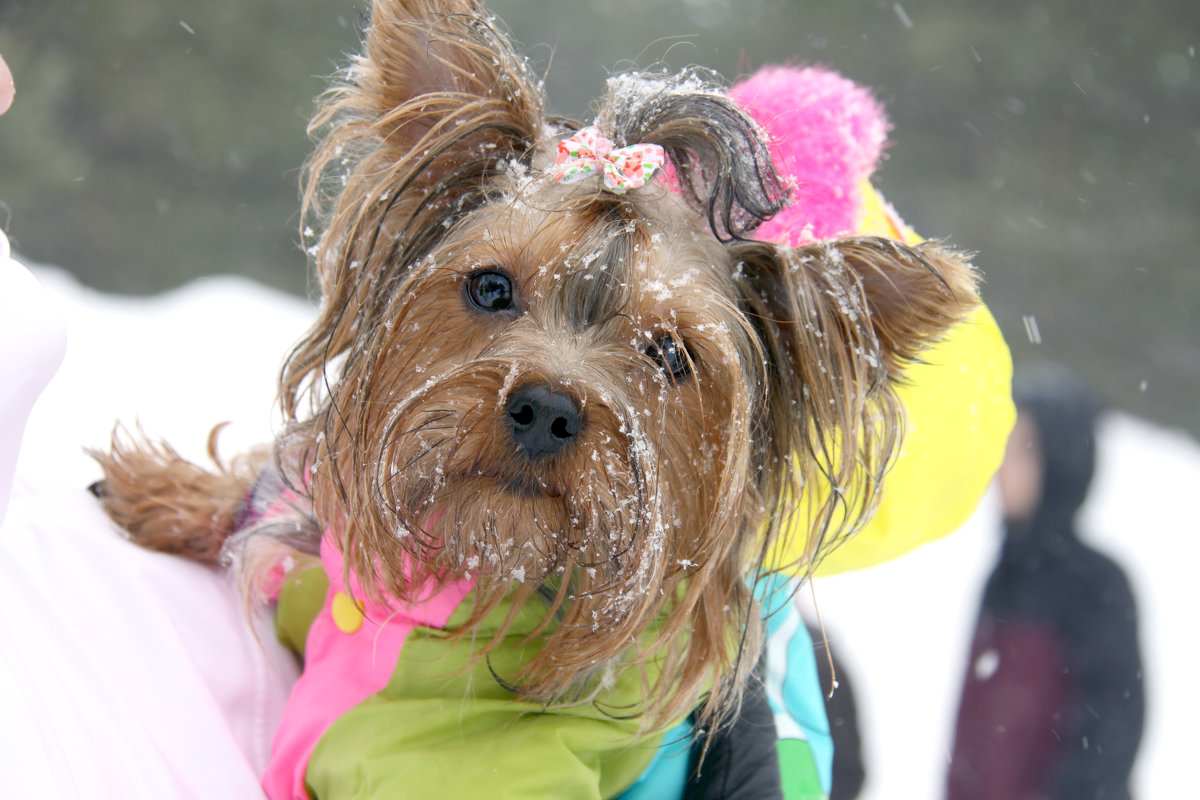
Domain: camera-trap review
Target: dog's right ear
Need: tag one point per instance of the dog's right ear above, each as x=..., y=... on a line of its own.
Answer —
x=432, y=108
x=435, y=107
x=430, y=68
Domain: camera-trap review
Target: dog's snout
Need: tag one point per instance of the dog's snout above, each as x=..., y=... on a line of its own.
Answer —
x=544, y=420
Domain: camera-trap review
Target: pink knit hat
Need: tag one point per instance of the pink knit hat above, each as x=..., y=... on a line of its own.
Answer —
x=827, y=135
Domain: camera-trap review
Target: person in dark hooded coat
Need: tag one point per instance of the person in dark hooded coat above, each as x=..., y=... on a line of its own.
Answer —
x=1052, y=705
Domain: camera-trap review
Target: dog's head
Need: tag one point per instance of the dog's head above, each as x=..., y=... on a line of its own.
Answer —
x=607, y=402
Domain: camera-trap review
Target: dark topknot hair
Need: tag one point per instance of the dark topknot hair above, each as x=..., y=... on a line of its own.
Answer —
x=719, y=154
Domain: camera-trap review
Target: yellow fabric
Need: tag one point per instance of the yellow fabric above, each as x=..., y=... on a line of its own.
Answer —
x=880, y=219
x=959, y=413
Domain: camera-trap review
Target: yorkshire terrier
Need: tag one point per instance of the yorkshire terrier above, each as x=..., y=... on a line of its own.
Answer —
x=556, y=392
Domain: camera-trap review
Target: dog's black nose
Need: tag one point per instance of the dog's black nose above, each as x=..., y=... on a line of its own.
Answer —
x=544, y=420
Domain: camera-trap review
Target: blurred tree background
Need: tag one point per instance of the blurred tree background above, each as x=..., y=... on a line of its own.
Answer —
x=153, y=141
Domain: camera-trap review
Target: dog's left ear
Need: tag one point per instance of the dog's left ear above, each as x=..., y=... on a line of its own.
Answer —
x=870, y=297
x=911, y=294
x=837, y=322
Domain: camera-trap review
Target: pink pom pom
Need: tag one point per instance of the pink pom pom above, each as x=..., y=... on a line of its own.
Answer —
x=827, y=135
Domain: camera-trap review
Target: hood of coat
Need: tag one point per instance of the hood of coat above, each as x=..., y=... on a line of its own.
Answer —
x=1063, y=412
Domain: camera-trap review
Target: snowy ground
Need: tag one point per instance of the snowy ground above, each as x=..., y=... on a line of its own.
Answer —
x=181, y=362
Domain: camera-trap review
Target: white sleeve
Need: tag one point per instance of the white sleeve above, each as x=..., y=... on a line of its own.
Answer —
x=123, y=673
x=126, y=673
x=33, y=339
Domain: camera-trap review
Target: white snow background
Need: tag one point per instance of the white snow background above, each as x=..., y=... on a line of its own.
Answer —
x=180, y=362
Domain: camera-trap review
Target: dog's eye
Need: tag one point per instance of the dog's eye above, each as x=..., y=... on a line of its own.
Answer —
x=490, y=290
x=672, y=358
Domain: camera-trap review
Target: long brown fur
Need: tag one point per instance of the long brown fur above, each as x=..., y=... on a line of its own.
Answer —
x=165, y=502
x=642, y=541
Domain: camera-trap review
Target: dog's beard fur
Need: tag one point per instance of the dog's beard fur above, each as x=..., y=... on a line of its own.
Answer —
x=643, y=537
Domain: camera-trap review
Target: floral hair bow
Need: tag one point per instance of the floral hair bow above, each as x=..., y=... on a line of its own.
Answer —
x=588, y=152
